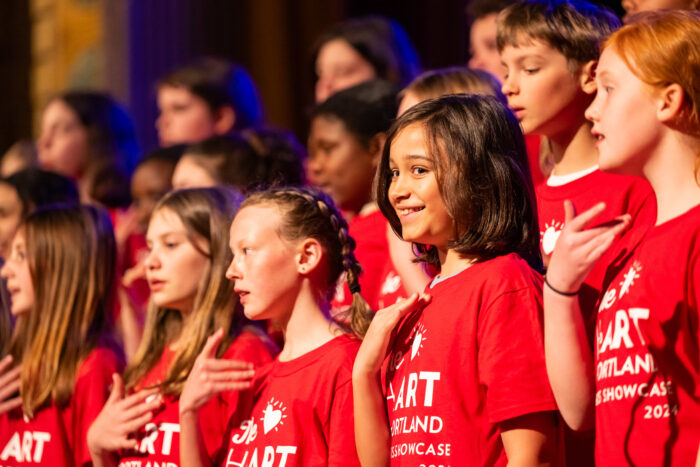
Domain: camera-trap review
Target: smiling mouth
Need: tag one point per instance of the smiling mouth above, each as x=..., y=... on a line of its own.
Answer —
x=406, y=211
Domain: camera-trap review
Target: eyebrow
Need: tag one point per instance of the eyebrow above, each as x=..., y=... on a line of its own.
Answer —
x=419, y=157
x=604, y=74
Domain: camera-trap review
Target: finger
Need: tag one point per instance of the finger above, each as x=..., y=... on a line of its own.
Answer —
x=117, y=392
x=614, y=226
x=212, y=343
x=215, y=364
x=230, y=386
x=10, y=376
x=139, y=422
x=138, y=398
x=137, y=411
x=569, y=211
x=579, y=222
x=8, y=389
x=5, y=363
x=228, y=375
x=10, y=404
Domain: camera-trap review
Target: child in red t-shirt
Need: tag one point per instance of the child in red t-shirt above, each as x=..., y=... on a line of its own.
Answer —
x=464, y=382
x=59, y=274
x=645, y=366
x=289, y=246
x=188, y=255
x=345, y=142
x=549, y=50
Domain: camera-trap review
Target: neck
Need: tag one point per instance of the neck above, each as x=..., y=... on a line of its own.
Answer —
x=671, y=171
x=452, y=262
x=573, y=150
x=307, y=326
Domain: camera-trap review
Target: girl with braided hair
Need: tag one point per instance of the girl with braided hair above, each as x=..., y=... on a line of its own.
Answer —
x=290, y=246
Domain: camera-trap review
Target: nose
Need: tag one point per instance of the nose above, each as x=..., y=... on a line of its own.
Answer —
x=233, y=272
x=398, y=190
x=476, y=62
x=324, y=88
x=5, y=271
x=510, y=85
x=592, y=113
x=152, y=262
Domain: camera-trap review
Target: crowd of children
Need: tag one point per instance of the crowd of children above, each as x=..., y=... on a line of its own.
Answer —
x=492, y=266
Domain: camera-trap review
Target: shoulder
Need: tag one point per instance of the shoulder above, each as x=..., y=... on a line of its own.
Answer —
x=103, y=360
x=509, y=273
x=253, y=346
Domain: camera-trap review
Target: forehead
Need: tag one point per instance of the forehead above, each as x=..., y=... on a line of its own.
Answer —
x=525, y=45
x=411, y=140
x=337, y=51
x=255, y=220
x=163, y=221
x=59, y=110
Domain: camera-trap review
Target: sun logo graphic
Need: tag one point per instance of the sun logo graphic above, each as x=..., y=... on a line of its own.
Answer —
x=391, y=284
x=630, y=276
x=548, y=238
x=418, y=338
x=273, y=415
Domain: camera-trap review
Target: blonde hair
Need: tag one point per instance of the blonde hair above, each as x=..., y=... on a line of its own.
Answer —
x=206, y=213
x=661, y=48
x=309, y=213
x=71, y=255
x=454, y=80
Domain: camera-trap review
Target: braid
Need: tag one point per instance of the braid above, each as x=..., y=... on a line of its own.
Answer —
x=311, y=213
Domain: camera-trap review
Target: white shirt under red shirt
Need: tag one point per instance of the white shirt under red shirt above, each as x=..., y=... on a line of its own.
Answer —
x=622, y=195
x=472, y=358
x=159, y=440
x=302, y=412
x=57, y=436
x=648, y=348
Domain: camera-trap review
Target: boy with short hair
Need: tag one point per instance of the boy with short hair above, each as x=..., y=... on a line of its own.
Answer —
x=550, y=50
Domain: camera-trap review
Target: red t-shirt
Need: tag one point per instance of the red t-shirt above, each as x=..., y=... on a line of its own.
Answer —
x=392, y=289
x=472, y=358
x=57, y=436
x=621, y=194
x=372, y=252
x=302, y=412
x=648, y=351
x=159, y=440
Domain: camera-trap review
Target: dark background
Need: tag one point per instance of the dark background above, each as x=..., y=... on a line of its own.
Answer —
x=272, y=38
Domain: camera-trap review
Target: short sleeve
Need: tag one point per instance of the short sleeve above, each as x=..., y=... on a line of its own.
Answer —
x=511, y=356
x=341, y=432
x=92, y=389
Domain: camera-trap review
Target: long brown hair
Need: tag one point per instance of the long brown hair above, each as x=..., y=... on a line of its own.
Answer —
x=309, y=213
x=206, y=213
x=71, y=255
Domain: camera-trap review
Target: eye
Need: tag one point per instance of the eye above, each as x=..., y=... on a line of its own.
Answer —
x=531, y=71
x=393, y=173
x=417, y=170
x=247, y=250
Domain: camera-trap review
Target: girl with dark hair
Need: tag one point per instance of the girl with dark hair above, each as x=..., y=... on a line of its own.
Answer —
x=290, y=246
x=60, y=274
x=464, y=381
x=345, y=144
x=361, y=49
x=190, y=299
x=88, y=137
x=208, y=97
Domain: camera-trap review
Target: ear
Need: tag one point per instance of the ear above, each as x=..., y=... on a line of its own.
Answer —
x=587, y=78
x=309, y=255
x=224, y=119
x=376, y=146
x=670, y=102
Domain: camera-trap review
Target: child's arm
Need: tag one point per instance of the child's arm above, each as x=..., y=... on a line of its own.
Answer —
x=531, y=439
x=570, y=365
x=209, y=377
x=371, y=425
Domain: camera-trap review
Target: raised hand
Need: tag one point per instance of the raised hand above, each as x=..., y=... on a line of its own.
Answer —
x=9, y=385
x=120, y=417
x=376, y=342
x=211, y=376
x=578, y=249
